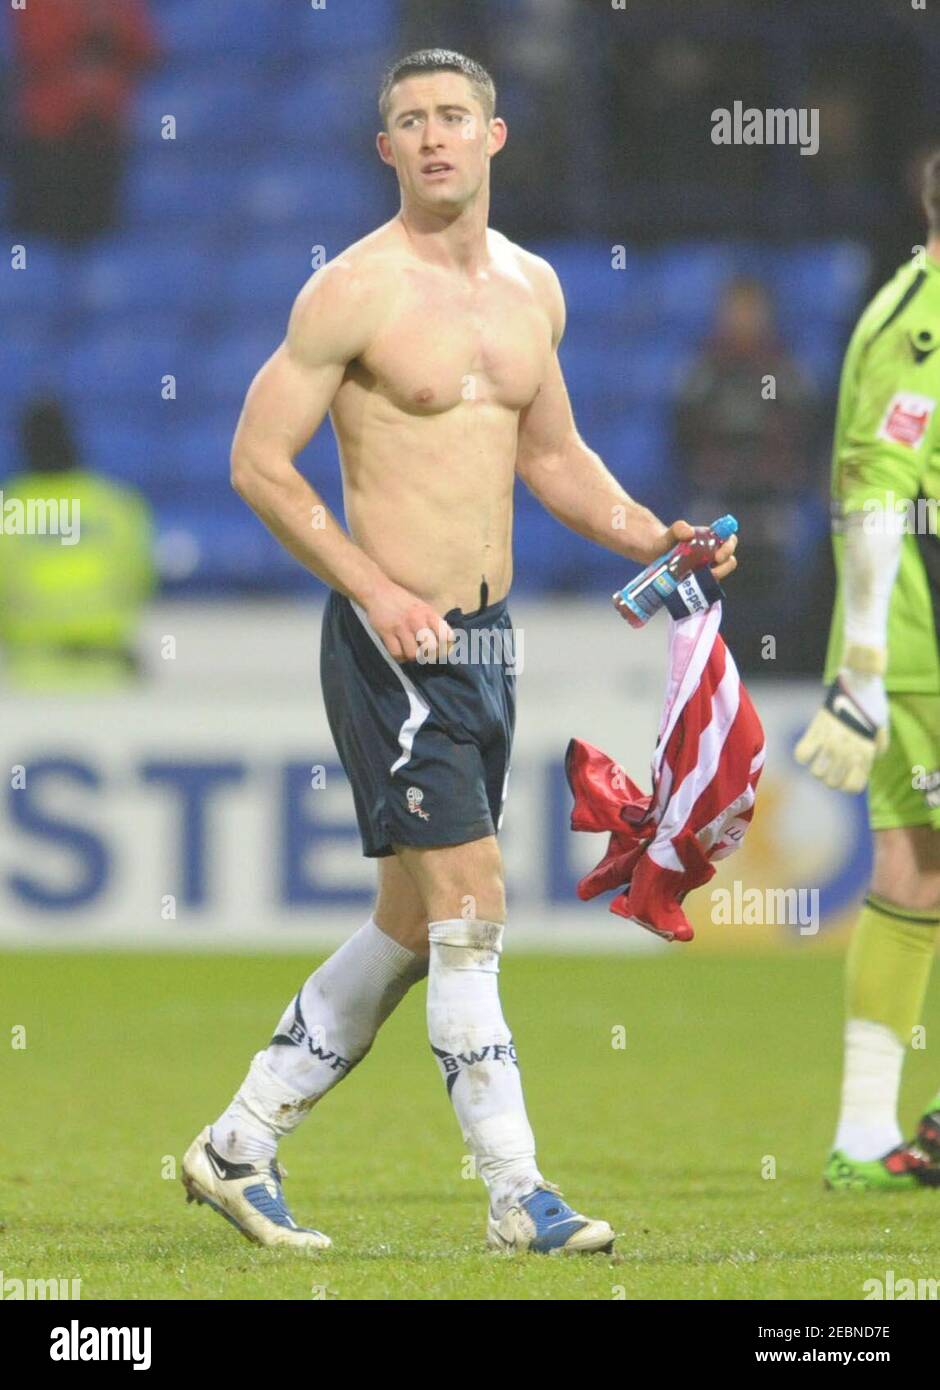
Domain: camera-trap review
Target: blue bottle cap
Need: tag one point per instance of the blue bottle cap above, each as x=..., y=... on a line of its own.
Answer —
x=724, y=527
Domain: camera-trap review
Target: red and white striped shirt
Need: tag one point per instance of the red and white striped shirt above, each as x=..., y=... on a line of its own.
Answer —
x=705, y=769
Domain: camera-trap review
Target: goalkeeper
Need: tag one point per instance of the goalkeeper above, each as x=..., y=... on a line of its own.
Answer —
x=880, y=724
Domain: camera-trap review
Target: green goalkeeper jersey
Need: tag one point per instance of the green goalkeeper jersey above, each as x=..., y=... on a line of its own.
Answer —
x=886, y=454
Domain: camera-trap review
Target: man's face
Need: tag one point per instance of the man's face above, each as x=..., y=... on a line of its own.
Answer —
x=438, y=139
x=746, y=318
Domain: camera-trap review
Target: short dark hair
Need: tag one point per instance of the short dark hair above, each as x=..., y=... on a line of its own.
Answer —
x=930, y=189
x=426, y=60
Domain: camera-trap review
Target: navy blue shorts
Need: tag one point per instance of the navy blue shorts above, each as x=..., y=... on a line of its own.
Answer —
x=426, y=746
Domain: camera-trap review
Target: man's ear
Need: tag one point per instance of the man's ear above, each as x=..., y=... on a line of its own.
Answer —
x=384, y=146
x=497, y=136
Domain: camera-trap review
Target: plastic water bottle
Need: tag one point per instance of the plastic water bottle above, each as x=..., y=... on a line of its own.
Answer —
x=662, y=581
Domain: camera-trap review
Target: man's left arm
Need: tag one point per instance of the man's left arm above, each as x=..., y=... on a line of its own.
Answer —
x=571, y=480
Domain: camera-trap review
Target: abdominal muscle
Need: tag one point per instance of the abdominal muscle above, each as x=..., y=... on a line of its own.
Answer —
x=429, y=498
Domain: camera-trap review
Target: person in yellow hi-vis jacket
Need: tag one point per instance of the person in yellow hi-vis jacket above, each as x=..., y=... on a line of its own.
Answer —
x=76, y=566
x=880, y=725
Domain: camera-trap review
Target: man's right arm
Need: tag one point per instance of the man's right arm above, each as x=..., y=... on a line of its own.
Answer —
x=286, y=404
x=331, y=323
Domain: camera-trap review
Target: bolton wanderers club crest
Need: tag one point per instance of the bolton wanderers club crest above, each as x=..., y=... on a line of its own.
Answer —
x=415, y=796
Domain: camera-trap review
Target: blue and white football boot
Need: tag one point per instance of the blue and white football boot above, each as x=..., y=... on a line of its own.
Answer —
x=251, y=1198
x=543, y=1224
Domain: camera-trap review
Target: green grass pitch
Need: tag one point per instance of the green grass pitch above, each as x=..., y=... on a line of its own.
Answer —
x=730, y=1068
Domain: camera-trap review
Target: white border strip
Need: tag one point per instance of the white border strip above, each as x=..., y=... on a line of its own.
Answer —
x=419, y=709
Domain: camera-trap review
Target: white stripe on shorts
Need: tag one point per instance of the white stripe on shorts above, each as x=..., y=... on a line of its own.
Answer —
x=418, y=708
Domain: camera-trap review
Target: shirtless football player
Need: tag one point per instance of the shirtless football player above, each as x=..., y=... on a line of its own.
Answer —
x=433, y=345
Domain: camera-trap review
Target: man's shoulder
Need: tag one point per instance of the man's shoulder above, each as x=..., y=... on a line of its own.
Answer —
x=538, y=273
x=365, y=262
x=350, y=285
x=898, y=329
x=908, y=289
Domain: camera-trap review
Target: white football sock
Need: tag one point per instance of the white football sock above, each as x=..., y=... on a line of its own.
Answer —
x=472, y=1042
x=323, y=1033
x=868, y=1123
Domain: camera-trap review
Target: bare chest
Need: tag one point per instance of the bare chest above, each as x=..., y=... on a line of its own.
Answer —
x=441, y=349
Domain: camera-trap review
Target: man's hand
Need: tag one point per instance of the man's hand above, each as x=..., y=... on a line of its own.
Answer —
x=407, y=625
x=848, y=733
x=724, y=561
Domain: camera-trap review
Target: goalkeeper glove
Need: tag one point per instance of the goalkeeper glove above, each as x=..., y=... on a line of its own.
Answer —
x=847, y=734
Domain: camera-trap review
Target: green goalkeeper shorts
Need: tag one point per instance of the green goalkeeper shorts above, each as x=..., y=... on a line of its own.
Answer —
x=904, y=787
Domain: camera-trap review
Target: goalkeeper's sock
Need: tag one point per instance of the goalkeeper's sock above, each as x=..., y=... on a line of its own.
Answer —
x=323, y=1033
x=474, y=1046
x=887, y=970
x=868, y=1123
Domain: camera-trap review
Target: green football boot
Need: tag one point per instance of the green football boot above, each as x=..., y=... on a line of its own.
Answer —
x=901, y=1170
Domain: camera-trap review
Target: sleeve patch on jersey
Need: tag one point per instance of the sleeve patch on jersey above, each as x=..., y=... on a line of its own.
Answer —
x=907, y=418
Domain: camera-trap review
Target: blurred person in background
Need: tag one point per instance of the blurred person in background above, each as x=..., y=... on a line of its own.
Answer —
x=750, y=452
x=880, y=724
x=73, y=585
x=74, y=71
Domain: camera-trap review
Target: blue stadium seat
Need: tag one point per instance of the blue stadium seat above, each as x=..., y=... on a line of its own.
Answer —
x=198, y=450
x=653, y=370
x=226, y=27
x=319, y=463
x=197, y=468
x=812, y=531
x=328, y=30
x=123, y=275
x=163, y=322
x=227, y=366
x=550, y=558
x=30, y=366
x=202, y=448
x=638, y=451
x=594, y=290
x=822, y=281
x=124, y=367
x=604, y=380
x=209, y=541
x=634, y=446
x=132, y=450
x=537, y=538
x=164, y=190
x=267, y=276
x=315, y=105
x=209, y=109
x=686, y=281
x=41, y=285
x=324, y=191
x=230, y=550
x=591, y=374
x=819, y=349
